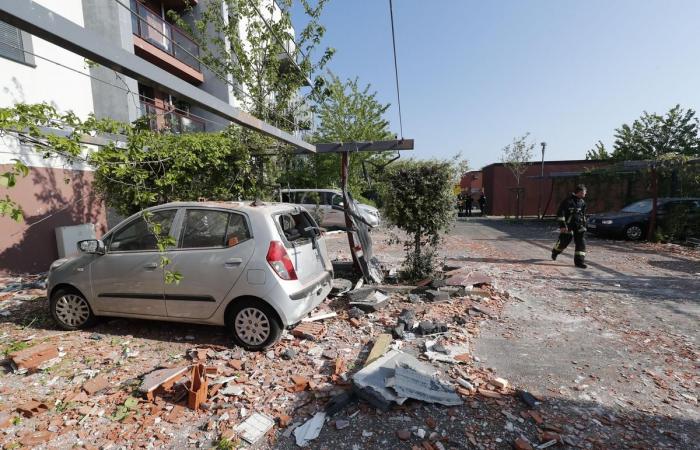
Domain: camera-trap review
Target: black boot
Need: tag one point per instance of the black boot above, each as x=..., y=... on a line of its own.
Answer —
x=554, y=255
x=580, y=265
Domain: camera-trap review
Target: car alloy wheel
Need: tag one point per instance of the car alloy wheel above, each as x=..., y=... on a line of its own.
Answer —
x=633, y=232
x=72, y=310
x=252, y=326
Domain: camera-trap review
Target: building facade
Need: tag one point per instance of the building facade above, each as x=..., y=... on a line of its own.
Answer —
x=537, y=194
x=56, y=193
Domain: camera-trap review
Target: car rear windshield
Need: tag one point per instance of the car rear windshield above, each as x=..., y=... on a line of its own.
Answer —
x=296, y=226
x=642, y=206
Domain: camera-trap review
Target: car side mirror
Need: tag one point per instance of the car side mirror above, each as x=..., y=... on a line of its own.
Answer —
x=94, y=246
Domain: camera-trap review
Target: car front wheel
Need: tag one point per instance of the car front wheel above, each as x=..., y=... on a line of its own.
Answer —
x=254, y=324
x=634, y=232
x=71, y=310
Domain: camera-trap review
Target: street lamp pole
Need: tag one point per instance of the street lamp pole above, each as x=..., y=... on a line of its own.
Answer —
x=540, y=213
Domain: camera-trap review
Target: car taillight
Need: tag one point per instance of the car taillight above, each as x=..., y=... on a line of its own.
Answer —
x=279, y=260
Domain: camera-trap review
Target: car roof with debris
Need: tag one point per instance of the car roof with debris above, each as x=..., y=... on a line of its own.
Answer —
x=243, y=206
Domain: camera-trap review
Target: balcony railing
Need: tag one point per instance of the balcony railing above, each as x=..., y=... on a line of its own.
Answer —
x=149, y=26
x=160, y=119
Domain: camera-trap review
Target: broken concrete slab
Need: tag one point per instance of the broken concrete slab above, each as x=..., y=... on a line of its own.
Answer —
x=374, y=301
x=370, y=382
x=161, y=378
x=408, y=382
x=33, y=357
x=310, y=429
x=319, y=317
x=254, y=428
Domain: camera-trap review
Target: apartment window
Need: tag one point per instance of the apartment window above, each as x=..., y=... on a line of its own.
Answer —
x=13, y=44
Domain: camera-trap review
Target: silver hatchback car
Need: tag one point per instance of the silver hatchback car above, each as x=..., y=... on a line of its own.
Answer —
x=255, y=269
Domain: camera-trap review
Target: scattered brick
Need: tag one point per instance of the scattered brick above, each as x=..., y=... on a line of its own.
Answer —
x=31, y=358
x=313, y=331
x=32, y=408
x=95, y=385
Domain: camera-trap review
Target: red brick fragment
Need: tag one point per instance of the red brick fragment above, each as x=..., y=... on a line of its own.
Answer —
x=537, y=417
x=300, y=383
x=32, y=408
x=236, y=364
x=284, y=420
x=549, y=436
x=489, y=394
x=36, y=438
x=521, y=444
x=404, y=435
x=430, y=422
x=309, y=330
x=198, y=389
x=95, y=385
x=31, y=358
x=355, y=322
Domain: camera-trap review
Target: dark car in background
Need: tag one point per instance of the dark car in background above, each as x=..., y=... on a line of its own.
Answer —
x=632, y=221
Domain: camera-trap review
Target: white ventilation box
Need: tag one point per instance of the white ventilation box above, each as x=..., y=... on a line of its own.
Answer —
x=67, y=238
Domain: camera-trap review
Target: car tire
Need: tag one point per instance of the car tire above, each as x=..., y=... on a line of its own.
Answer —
x=253, y=323
x=634, y=232
x=71, y=310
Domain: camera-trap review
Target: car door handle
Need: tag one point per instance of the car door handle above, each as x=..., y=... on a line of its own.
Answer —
x=151, y=266
x=233, y=262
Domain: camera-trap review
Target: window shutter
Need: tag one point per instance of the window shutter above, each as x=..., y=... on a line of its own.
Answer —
x=11, y=42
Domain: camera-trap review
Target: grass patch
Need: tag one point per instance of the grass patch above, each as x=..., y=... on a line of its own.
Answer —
x=15, y=347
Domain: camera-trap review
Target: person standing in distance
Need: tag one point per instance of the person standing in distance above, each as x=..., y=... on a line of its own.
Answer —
x=572, y=225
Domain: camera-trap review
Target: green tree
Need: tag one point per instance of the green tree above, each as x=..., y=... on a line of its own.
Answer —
x=254, y=52
x=418, y=198
x=349, y=113
x=654, y=135
x=598, y=152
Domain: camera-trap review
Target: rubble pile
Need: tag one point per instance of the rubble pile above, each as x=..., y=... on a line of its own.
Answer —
x=100, y=388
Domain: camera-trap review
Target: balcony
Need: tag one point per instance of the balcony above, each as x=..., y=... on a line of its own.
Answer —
x=164, y=44
x=161, y=119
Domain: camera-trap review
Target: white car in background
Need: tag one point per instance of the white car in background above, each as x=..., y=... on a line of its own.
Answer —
x=325, y=200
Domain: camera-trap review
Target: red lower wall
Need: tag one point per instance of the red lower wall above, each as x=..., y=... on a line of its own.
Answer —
x=48, y=201
x=500, y=183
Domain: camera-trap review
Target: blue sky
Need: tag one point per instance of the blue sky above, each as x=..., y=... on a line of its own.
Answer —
x=475, y=74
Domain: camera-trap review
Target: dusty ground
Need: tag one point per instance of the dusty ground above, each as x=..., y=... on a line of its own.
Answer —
x=611, y=352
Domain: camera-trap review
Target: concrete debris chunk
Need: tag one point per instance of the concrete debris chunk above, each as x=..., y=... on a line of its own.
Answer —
x=373, y=301
x=370, y=382
x=453, y=354
x=33, y=357
x=319, y=317
x=411, y=383
x=309, y=430
x=254, y=428
x=436, y=296
x=164, y=378
x=500, y=383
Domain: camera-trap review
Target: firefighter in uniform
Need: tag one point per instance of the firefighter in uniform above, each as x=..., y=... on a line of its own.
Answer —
x=572, y=225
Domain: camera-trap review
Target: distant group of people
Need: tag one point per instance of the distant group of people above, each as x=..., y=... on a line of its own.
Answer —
x=466, y=204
